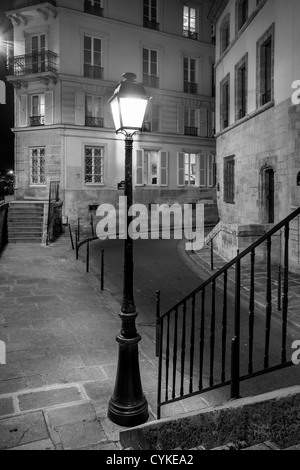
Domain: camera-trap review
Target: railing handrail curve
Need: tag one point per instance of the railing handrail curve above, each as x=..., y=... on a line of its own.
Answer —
x=231, y=263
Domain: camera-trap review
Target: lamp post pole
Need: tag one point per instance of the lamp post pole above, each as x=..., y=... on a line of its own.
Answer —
x=128, y=405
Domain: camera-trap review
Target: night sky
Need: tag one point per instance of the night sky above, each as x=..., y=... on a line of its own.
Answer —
x=6, y=111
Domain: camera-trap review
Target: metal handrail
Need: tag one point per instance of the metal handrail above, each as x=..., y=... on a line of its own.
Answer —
x=176, y=329
x=231, y=263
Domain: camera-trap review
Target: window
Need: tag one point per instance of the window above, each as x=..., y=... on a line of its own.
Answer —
x=196, y=169
x=151, y=168
x=225, y=103
x=225, y=33
x=189, y=22
x=241, y=88
x=229, y=184
x=92, y=57
x=38, y=166
x=150, y=14
x=151, y=121
x=38, y=50
x=265, y=67
x=150, y=68
x=93, y=111
x=94, y=7
x=241, y=13
x=190, y=127
x=37, y=110
x=190, y=169
x=189, y=76
x=94, y=165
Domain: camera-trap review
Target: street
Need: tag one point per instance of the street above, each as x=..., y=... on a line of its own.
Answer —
x=163, y=265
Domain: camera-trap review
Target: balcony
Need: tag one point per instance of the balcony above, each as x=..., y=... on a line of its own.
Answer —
x=190, y=34
x=151, y=81
x=93, y=71
x=266, y=97
x=37, y=63
x=190, y=87
x=29, y=3
x=150, y=24
x=192, y=131
x=92, y=10
x=91, y=121
x=36, y=121
x=241, y=113
x=147, y=127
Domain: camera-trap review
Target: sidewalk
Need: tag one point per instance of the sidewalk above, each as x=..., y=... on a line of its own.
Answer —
x=59, y=329
x=202, y=259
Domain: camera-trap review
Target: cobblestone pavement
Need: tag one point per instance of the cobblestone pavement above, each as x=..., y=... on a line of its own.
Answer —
x=59, y=329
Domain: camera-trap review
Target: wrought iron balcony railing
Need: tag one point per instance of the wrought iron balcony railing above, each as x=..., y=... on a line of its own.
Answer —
x=29, y=3
x=190, y=87
x=88, y=8
x=94, y=121
x=93, y=71
x=34, y=63
x=37, y=121
x=190, y=34
x=151, y=81
x=150, y=24
x=241, y=113
x=266, y=97
x=193, y=131
x=147, y=127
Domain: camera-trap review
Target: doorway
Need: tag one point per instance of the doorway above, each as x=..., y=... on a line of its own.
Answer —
x=269, y=196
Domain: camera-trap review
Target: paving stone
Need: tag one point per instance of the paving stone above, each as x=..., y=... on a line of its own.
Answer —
x=71, y=414
x=46, y=398
x=22, y=383
x=46, y=444
x=22, y=429
x=6, y=406
x=81, y=435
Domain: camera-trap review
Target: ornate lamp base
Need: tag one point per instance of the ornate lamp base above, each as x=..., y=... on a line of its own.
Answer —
x=128, y=406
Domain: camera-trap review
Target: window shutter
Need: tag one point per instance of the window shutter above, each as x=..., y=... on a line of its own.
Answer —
x=139, y=168
x=210, y=171
x=164, y=168
x=23, y=111
x=155, y=118
x=180, y=120
x=48, y=108
x=79, y=108
x=203, y=122
x=202, y=170
x=180, y=168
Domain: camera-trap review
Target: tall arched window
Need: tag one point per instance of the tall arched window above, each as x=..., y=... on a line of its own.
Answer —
x=241, y=15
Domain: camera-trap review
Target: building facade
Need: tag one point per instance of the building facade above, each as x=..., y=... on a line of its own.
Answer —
x=257, y=123
x=68, y=57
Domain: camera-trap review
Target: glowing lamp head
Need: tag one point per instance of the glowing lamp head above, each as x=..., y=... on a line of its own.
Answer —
x=128, y=104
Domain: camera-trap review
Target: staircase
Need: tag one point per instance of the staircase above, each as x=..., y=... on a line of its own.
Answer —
x=25, y=222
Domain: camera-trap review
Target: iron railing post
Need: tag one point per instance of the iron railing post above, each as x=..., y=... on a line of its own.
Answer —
x=71, y=237
x=102, y=269
x=235, y=350
x=157, y=323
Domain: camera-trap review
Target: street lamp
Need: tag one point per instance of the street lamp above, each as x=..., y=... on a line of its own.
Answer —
x=128, y=405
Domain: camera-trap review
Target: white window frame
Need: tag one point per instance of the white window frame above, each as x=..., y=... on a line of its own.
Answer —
x=41, y=105
x=204, y=170
x=39, y=157
x=93, y=175
x=143, y=168
x=93, y=38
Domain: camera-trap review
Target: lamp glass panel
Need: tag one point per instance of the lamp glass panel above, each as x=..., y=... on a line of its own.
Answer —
x=132, y=112
x=116, y=114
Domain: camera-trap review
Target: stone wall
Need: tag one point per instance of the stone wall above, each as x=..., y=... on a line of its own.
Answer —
x=269, y=139
x=3, y=225
x=272, y=417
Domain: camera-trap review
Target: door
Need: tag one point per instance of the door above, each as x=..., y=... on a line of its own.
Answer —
x=269, y=181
